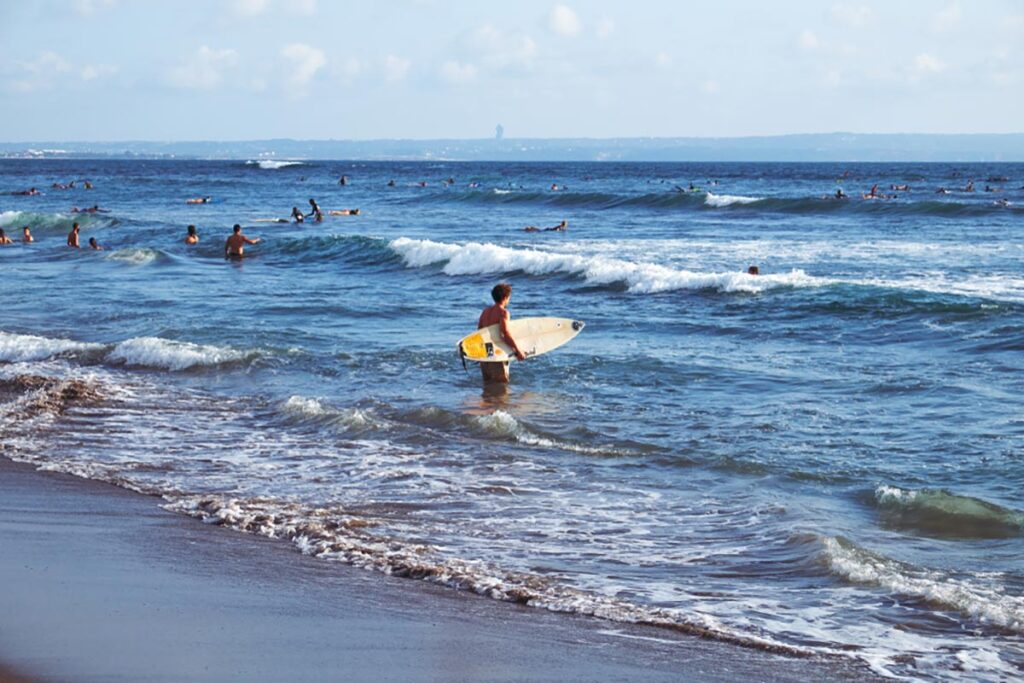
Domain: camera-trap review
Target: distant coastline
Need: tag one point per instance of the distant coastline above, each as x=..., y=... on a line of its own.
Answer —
x=826, y=147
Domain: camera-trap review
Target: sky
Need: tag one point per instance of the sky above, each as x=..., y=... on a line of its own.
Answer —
x=106, y=70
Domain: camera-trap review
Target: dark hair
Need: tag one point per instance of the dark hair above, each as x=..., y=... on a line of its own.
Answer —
x=501, y=292
x=74, y=226
x=24, y=227
x=2, y=233
x=191, y=229
x=237, y=228
x=92, y=240
x=753, y=270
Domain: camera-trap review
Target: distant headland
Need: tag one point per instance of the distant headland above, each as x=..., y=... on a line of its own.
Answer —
x=823, y=147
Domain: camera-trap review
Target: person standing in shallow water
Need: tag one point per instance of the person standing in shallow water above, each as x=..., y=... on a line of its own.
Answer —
x=73, y=237
x=234, y=248
x=192, y=237
x=498, y=315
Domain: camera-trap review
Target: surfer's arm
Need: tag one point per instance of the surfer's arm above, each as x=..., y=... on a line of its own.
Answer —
x=507, y=336
x=252, y=241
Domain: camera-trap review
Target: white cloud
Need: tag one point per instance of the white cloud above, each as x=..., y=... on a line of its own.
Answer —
x=927, y=64
x=809, y=41
x=50, y=69
x=91, y=72
x=396, y=68
x=457, y=72
x=605, y=28
x=204, y=70
x=47, y=63
x=249, y=8
x=88, y=7
x=663, y=59
x=303, y=7
x=710, y=87
x=852, y=15
x=497, y=49
x=349, y=70
x=947, y=18
x=564, y=21
x=305, y=60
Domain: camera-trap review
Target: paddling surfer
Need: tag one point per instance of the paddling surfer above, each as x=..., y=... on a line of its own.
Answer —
x=234, y=248
x=498, y=315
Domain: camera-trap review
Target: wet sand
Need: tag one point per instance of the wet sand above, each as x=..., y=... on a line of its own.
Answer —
x=101, y=584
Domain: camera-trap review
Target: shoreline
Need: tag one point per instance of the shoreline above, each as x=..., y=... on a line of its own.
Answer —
x=112, y=587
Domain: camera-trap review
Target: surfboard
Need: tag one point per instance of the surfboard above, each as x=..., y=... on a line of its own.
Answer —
x=270, y=220
x=535, y=336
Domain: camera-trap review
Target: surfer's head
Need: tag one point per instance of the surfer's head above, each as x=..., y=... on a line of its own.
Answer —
x=237, y=228
x=501, y=292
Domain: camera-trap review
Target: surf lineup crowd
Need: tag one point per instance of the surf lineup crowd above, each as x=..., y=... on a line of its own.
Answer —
x=235, y=244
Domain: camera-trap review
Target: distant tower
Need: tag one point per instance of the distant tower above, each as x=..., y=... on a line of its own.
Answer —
x=499, y=132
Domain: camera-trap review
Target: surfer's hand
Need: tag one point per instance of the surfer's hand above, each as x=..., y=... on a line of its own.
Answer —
x=520, y=355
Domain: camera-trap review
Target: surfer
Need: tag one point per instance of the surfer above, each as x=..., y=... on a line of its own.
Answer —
x=753, y=270
x=498, y=315
x=73, y=236
x=297, y=215
x=192, y=237
x=343, y=212
x=4, y=239
x=314, y=211
x=234, y=248
x=561, y=227
x=199, y=200
x=26, y=235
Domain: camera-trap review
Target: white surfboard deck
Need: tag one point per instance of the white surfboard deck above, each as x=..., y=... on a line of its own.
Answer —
x=534, y=336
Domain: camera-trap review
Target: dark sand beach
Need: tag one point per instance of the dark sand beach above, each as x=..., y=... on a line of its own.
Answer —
x=101, y=584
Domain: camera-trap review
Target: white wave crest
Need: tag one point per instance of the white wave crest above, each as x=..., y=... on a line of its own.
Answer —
x=310, y=408
x=988, y=604
x=719, y=200
x=270, y=165
x=136, y=257
x=166, y=354
x=479, y=259
x=17, y=348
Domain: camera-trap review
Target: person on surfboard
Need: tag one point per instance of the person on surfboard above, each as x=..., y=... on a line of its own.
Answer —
x=498, y=315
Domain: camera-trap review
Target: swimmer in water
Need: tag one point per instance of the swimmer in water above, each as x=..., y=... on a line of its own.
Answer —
x=192, y=237
x=4, y=239
x=94, y=245
x=199, y=200
x=234, y=248
x=26, y=235
x=73, y=237
x=343, y=212
x=753, y=270
x=561, y=227
x=297, y=215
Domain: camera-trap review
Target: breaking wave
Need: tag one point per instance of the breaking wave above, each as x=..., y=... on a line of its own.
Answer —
x=481, y=259
x=16, y=348
x=941, y=513
x=165, y=354
x=987, y=603
x=273, y=165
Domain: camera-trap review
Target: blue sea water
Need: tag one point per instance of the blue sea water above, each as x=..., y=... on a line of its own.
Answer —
x=826, y=457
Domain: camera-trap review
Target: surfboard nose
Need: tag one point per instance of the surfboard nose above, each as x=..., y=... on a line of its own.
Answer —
x=578, y=325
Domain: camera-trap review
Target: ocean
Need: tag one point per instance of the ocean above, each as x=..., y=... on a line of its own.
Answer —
x=823, y=458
